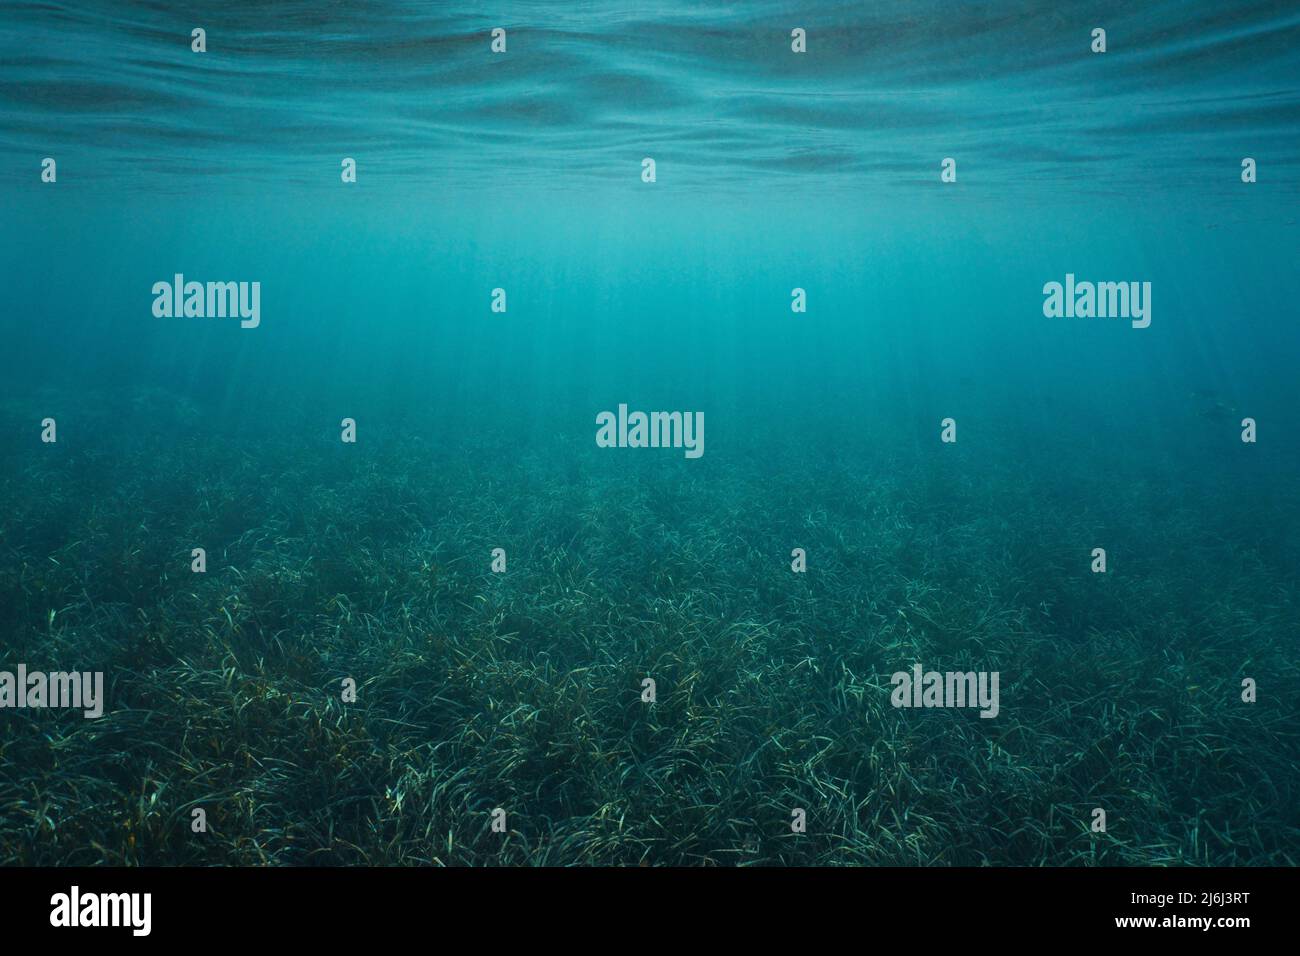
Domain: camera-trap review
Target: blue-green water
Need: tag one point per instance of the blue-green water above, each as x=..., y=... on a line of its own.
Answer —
x=775, y=171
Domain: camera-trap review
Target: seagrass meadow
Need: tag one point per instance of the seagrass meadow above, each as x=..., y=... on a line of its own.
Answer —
x=971, y=348
x=523, y=690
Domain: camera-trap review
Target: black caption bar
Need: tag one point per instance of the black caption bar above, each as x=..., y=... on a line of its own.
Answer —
x=340, y=906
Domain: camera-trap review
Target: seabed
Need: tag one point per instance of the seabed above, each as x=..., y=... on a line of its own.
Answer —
x=522, y=691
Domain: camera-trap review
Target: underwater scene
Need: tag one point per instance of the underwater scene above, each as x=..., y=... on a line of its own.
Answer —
x=649, y=434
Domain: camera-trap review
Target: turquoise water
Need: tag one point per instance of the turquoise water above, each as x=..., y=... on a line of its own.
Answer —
x=775, y=171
